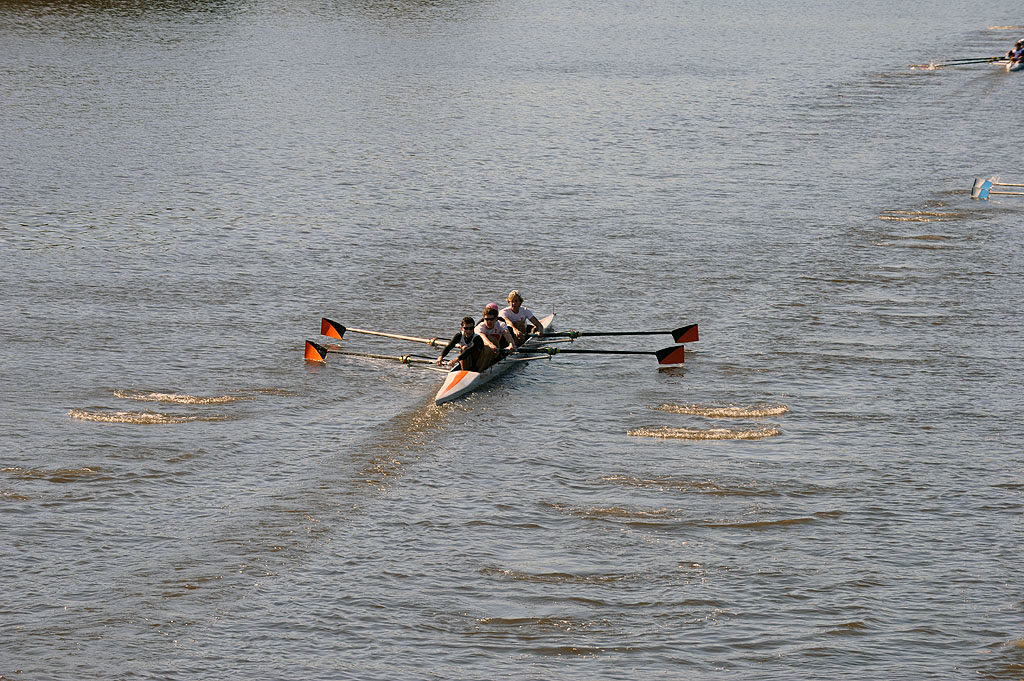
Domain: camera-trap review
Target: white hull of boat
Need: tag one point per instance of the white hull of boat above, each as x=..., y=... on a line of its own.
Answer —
x=458, y=383
x=1015, y=66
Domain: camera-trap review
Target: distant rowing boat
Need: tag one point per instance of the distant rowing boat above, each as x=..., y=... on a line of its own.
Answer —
x=984, y=187
x=458, y=382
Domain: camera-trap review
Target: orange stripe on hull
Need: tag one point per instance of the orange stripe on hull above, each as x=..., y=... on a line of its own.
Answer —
x=458, y=379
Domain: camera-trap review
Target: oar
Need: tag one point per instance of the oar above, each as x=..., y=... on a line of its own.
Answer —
x=671, y=356
x=971, y=60
x=335, y=330
x=684, y=334
x=957, y=62
x=318, y=353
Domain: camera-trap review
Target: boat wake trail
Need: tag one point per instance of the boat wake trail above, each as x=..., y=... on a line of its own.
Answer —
x=725, y=411
x=145, y=418
x=59, y=475
x=669, y=433
x=921, y=216
x=723, y=488
x=175, y=398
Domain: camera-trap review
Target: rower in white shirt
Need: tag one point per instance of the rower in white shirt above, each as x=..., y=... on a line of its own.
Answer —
x=496, y=337
x=516, y=316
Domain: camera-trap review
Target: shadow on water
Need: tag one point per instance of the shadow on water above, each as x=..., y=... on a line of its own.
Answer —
x=408, y=9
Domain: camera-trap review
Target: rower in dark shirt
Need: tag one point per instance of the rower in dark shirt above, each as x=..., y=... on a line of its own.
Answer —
x=470, y=343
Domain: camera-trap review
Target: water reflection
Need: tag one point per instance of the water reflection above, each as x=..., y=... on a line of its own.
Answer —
x=402, y=9
x=122, y=7
x=375, y=9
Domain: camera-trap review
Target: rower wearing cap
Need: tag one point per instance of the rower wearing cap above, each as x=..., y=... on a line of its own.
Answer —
x=470, y=343
x=495, y=335
x=516, y=316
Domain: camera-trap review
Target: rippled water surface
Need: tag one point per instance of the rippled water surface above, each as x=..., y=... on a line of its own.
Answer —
x=829, y=487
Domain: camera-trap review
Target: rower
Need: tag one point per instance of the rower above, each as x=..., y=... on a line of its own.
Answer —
x=495, y=335
x=470, y=343
x=1016, y=53
x=516, y=316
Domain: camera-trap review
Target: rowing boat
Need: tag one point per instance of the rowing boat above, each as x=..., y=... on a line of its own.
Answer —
x=1015, y=65
x=458, y=382
x=982, y=188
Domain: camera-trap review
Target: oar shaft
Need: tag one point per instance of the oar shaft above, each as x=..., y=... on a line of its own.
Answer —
x=576, y=334
x=558, y=351
x=318, y=353
x=972, y=60
x=429, y=341
x=684, y=334
x=670, y=356
x=959, y=62
x=404, y=359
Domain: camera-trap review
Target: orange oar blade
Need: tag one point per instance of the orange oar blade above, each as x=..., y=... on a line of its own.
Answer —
x=672, y=356
x=315, y=352
x=686, y=334
x=331, y=328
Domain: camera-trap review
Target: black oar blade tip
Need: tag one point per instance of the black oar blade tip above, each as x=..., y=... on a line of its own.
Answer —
x=670, y=357
x=315, y=352
x=686, y=334
x=331, y=328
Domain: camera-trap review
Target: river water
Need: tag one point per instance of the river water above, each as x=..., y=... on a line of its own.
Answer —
x=830, y=487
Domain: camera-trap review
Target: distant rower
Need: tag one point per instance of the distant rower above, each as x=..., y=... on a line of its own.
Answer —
x=1016, y=53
